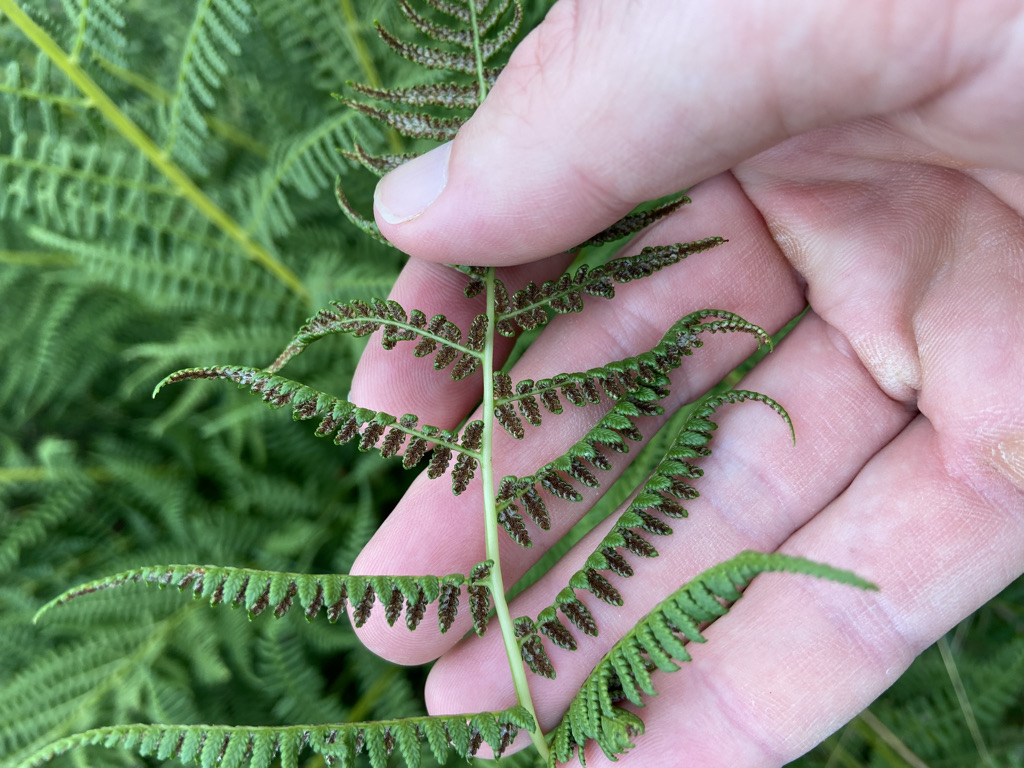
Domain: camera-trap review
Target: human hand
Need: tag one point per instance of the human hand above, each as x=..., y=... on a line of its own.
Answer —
x=877, y=173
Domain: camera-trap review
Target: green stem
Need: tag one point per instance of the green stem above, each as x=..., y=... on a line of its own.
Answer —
x=127, y=128
x=475, y=25
x=508, y=635
x=965, y=703
x=36, y=259
x=9, y=475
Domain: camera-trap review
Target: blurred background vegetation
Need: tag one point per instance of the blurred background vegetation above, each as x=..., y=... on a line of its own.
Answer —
x=122, y=261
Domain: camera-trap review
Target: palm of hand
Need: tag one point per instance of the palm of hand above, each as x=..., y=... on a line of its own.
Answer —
x=904, y=384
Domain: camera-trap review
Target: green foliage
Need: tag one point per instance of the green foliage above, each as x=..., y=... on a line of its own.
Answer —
x=167, y=175
x=278, y=592
x=655, y=642
x=249, y=747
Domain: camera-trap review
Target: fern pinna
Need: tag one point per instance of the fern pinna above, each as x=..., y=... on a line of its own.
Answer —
x=464, y=39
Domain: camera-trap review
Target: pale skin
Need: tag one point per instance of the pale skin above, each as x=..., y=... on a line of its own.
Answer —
x=866, y=158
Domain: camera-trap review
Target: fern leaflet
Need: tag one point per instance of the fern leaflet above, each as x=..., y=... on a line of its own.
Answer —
x=215, y=31
x=260, y=747
x=278, y=592
x=347, y=421
x=658, y=641
x=661, y=493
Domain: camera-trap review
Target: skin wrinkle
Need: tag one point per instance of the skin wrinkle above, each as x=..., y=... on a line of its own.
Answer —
x=897, y=370
x=962, y=131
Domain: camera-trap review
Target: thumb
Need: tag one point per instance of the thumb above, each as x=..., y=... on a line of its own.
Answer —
x=607, y=104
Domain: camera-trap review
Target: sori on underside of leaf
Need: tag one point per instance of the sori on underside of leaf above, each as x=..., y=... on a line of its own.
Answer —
x=632, y=383
x=331, y=594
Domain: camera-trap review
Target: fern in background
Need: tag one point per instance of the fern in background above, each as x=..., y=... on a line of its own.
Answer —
x=169, y=189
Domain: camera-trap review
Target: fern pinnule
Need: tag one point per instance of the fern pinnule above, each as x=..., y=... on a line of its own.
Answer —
x=212, y=42
x=411, y=124
x=462, y=37
x=429, y=57
x=362, y=318
x=634, y=222
x=346, y=421
x=376, y=164
x=526, y=308
x=555, y=477
x=658, y=641
x=365, y=225
x=631, y=381
x=261, y=746
x=99, y=29
x=41, y=698
x=446, y=95
x=305, y=161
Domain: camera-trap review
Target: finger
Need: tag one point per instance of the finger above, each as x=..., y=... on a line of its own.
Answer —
x=754, y=696
x=430, y=531
x=931, y=298
x=607, y=104
x=930, y=295
x=936, y=309
x=756, y=490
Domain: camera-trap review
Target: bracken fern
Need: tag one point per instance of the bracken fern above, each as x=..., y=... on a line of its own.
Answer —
x=99, y=167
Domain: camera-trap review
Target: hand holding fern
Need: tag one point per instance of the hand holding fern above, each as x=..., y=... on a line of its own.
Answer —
x=876, y=174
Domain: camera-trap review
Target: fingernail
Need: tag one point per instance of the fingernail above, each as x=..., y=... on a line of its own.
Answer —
x=408, y=190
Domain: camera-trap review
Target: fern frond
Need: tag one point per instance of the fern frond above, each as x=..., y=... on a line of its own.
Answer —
x=472, y=42
x=658, y=641
x=260, y=747
x=360, y=318
x=285, y=672
x=447, y=95
x=105, y=106
x=81, y=189
x=629, y=378
x=634, y=222
x=212, y=39
x=307, y=162
x=346, y=421
x=664, y=489
x=526, y=308
x=173, y=274
x=68, y=491
x=309, y=33
x=279, y=592
x=99, y=29
x=58, y=685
